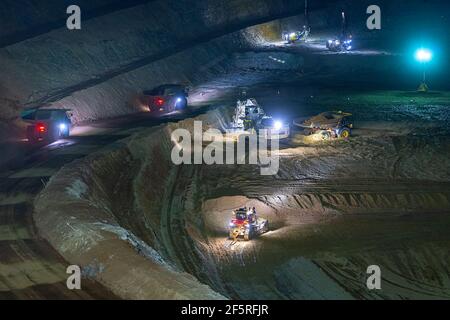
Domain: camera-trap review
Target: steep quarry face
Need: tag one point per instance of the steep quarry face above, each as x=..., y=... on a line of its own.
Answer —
x=122, y=49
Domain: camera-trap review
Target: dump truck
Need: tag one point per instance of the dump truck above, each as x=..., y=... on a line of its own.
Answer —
x=330, y=124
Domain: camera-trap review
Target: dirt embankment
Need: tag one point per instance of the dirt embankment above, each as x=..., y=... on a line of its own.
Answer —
x=148, y=229
x=382, y=198
x=109, y=213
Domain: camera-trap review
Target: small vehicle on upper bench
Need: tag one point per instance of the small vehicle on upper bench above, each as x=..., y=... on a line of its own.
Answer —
x=166, y=99
x=47, y=125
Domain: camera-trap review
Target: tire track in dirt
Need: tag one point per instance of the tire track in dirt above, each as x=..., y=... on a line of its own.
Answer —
x=30, y=267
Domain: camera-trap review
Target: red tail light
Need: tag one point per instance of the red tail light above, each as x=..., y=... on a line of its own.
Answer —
x=159, y=101
x=41, y=127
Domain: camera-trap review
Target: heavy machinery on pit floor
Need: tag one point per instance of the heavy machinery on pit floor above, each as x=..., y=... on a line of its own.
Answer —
x=330, y=125
x=246, y=225
x=343, y=42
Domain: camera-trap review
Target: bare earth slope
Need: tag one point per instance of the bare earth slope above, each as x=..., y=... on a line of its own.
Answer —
x=156, y=230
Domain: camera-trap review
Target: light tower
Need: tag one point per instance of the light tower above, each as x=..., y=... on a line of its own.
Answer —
x=423, y=56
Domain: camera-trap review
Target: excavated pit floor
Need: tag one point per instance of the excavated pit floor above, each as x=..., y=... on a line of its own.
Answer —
x=335, y=208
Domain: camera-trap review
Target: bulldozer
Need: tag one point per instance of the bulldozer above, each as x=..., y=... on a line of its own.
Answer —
x=246, y=225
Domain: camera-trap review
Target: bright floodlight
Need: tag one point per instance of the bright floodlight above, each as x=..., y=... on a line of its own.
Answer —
x=278, y=125
x=423, y=55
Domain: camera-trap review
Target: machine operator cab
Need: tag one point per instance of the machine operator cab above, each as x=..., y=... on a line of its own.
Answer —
x=253, y=114
x=245, y=215
x=241, y=214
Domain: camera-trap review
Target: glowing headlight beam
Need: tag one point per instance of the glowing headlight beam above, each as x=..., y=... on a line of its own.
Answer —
x=278, y=125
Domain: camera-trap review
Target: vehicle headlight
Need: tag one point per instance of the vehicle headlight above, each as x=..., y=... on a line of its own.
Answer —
x=278, y=125
x=337, y=42
x=292, y=35
x=62, y=127
x=178, y=99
